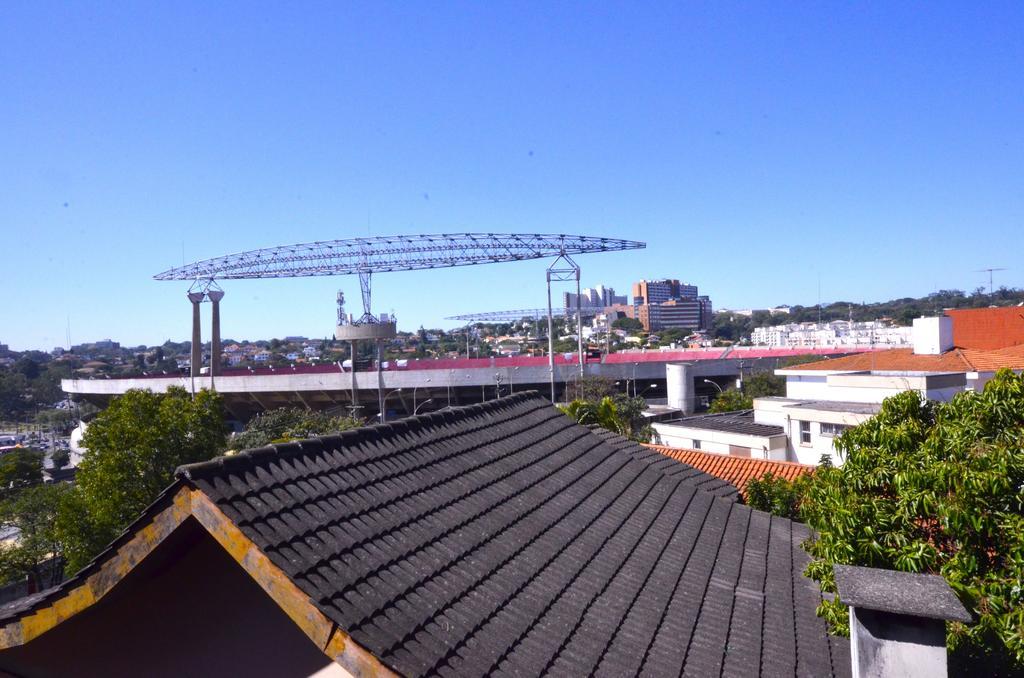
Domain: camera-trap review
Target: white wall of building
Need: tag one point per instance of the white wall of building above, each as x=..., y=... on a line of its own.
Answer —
x=865, y=387
x=721, y=442
x=780, y=412
x=932, y=336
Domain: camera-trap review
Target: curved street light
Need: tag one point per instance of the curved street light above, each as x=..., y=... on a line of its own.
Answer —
x=417, y=409
x=644, y=390
x=414, y=395
x=715, y=384
x=384, y=409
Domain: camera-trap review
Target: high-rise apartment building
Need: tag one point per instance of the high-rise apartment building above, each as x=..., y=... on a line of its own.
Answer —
x=593, y=297
x=660, y=291
x=669, y=304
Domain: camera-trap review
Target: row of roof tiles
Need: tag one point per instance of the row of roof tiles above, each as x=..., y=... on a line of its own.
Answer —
x=504, y=539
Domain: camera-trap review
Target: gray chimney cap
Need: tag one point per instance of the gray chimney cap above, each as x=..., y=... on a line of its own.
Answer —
x=918, y=595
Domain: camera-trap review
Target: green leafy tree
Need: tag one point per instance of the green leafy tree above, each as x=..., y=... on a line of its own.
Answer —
x=20, y=468
x=60, y=458
x=132, y=449
x=591, y=388
x=619, y=414
x=13, y=391
x=27, y=367
x=628, y=324
x=289, y=423
x=60, y=420
x=776, y=495
x=601, y=413
x=32, y=512
x=935, y=488
x=764, y=384
x=729, y=401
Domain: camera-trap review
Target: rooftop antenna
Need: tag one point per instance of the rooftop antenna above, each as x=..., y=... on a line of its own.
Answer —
x=989, y=271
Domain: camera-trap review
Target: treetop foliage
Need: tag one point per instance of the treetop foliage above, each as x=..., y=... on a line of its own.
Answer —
x=776, y=495
x=935, y=488
x=32, y=511
x=289, y=423
x=618, y=413
x=132, y=450
x=20, y=468
x=730, y=400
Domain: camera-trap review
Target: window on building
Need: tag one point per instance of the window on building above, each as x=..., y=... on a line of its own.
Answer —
x=832, y=430
x=805, y=433
x=696, y=444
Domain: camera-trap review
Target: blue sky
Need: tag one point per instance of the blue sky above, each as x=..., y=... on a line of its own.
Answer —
x=757, y=148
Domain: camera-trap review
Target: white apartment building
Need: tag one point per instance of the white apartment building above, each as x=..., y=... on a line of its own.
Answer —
x=593, y=297
x=838, y=333
x=826, y=397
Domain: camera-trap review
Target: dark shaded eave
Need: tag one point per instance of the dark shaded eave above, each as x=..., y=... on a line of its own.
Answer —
x=21, y=607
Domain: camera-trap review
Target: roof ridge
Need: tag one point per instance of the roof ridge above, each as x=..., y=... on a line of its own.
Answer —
x=963, y=356
x=349, y=437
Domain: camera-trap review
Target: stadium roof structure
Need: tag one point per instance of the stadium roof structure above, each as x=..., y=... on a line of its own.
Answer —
x=392, y=253
x=519, y=314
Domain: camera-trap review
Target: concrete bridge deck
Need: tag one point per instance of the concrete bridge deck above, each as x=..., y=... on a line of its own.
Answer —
x=409, y=385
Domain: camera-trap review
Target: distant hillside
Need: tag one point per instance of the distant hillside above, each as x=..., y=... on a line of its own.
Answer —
x=729, y=326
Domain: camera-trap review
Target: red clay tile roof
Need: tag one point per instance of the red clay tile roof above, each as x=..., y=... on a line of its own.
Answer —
x=736, y=470
x=904, y=360
x=988, y=328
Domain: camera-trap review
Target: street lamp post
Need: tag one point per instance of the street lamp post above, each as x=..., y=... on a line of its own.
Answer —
x=715, y=384
x=645, y=390
x=417, y=409
x=383, y=406
x=414, y=396
x=634, y=381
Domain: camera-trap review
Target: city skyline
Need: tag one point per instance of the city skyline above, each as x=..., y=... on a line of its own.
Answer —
x=763, y=153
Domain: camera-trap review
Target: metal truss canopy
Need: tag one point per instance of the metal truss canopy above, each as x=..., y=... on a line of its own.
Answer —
x=533, y=313
x=392, y=253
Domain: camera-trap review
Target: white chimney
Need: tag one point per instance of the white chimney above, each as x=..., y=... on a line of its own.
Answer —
x=897, y=621
x=933, y=336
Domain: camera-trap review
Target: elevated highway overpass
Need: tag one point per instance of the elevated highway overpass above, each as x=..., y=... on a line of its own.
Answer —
x=425, y=385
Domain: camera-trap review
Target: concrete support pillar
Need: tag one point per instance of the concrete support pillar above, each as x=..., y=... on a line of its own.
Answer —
x=197, y=339
x=579, y=321
x=355, y=396
x=679, y=386
x=551, y=343
x=215, y=296
x=380, y=380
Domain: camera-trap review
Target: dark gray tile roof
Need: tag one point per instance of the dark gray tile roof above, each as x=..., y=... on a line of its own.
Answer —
x=741, y=421
x=700, y=479
x=921, y=595
x=505, y=539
